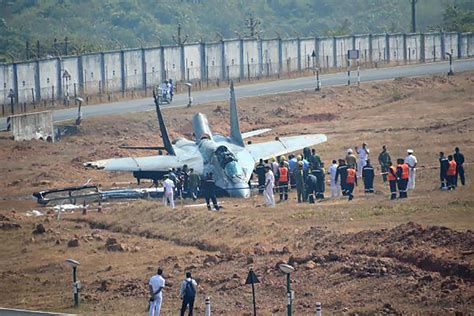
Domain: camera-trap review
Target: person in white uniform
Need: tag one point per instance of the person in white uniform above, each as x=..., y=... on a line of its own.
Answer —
x=269, y=184
x=156, y=286
x=168, y=186
x=363, y=156
x=411, y=161
x=335, y=185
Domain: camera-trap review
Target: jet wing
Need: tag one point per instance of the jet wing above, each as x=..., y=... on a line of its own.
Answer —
x=150, y=163
x=255, y=132
x=284, y=145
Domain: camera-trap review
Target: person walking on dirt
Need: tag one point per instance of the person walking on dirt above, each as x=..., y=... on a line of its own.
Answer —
x=392, y=180
x=168, y=196
x=363, y=154
x=193, y=182
x=260, y=171
x=187, y=292
x=459, y=158
x=341, y=173
x=334, y=185
x=411, y=161
x=320, y=188
x=209, y=188
x=384, y=159
x=311, y=187
x=171, y=89
x=156, y=286
x=443, y=168
x=351, y=182
x=269, y=185
x=368, y=175
x=351, y=159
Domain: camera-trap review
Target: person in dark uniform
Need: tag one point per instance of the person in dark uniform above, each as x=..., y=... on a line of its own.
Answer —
x=341, y=171
x=283, y=177
x=459, y=158
x=392, y=180
x=402, y=178
x=260, y=171
x=443, y=168
x=368, y=175
x=451, y=173
x=209, y=188
x=311, y=187
x=384, y=159
x=319, y=173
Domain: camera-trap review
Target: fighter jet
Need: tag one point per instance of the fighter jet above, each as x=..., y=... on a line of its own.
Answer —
x=229, y=159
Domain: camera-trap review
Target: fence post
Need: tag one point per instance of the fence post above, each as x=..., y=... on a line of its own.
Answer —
x=208, y=306
x=318, y=309
x=52, y=94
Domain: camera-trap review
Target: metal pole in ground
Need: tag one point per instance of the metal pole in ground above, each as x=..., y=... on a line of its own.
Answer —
x=348, y=72
x=358, y=73
x=208, y=306
x=318, y=309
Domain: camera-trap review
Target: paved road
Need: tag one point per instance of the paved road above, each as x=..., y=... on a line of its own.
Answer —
x=280, y=86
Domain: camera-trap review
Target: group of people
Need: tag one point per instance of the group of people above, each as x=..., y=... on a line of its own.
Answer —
x=167, y=89
x=450, y=169
x=187, y=183
x=187, y=293
x=306, y=173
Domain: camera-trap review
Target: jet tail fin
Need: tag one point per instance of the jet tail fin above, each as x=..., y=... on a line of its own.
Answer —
x=164, y=132
x=235, y=134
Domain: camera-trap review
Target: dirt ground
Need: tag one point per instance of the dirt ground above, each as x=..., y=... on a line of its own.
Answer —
x=367, y=256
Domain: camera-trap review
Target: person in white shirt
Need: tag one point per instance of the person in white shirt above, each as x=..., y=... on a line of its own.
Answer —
x=335, y=185
x=156, y=286
x=363, y=156
x=411, y=161
x=187, y=292
x=168, y=186
x=269, y=184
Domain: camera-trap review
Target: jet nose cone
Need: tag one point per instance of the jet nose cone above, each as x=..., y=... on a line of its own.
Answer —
x=240, y=190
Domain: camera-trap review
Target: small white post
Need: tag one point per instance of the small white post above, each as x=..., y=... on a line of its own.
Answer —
x=358, y=73
x=318, y=309
x=208, y=306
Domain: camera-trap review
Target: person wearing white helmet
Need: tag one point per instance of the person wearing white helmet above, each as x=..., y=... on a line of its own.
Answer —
x=351, y=159
x=411, y=161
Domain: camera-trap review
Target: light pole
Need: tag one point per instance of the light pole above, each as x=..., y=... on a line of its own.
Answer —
x=450, y=73
x=318, y=81
x=413, y=15
x=287, y=269
x=76, y=285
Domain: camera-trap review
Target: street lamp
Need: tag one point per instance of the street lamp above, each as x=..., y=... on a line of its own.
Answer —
x=76, y=285
x=287, y=269
x=450, y=73
x=318, y=81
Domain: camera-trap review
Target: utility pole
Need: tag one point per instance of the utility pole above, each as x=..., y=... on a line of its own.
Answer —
x=413, y=15
x=178, y=40
x=252, y=26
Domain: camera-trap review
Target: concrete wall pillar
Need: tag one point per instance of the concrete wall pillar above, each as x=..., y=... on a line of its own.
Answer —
x=371, y=50
x=59, y=76
x=122, y=70
x=317, y=51
x=354, y=43
x=182, y=61
x=422, y=48
x=298, y=40
x=162, y=64
x=203, y=63
x=405, y=55
x=241, y=59
x=260, y=56
x=15, y=82
x=223, y=65
x=443, y=46
x=102, y=72
x=459, y=37
x=280, y=56
x=387, y=47
x=37, y=82
x=334, y=52
x=144, y=67
x=80, y=75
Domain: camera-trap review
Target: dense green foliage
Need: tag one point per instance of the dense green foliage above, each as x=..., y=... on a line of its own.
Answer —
x=93, y=25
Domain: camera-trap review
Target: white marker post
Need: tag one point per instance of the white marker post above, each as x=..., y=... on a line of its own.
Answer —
x=318, y=309
x=358, y=73
x=208, y=306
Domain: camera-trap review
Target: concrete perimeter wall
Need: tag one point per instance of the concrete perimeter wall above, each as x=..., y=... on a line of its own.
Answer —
x=26, y=126
x=138, y=69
